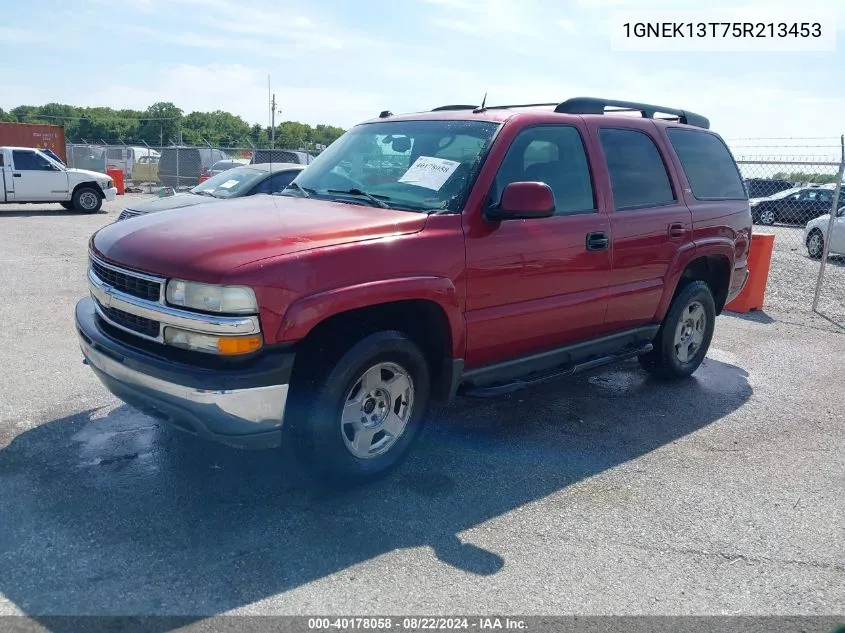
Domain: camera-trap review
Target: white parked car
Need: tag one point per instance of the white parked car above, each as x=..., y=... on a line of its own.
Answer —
x=815, y=233
x=29, y=175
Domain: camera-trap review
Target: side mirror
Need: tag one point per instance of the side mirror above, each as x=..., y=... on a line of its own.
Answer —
x=524, y=201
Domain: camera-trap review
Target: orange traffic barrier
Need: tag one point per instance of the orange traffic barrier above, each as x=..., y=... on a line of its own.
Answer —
x=117, y=177
x=753, y=295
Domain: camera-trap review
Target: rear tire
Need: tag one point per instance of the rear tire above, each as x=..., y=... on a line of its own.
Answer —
x=87, y=200
x=685, y=334
x=815, y=244
x=356, y=414
x=767, y=217
x=67, y=205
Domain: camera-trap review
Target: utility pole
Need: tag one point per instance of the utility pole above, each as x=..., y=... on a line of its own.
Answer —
x=273, y=122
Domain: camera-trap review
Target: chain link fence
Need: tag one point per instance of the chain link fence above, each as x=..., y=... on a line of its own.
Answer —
x=792, y=184
x=148, y=168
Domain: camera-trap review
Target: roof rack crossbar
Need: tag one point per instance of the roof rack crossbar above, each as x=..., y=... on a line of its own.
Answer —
x=594, y=105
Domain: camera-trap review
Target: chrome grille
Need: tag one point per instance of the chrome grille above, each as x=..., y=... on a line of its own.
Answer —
x=133, y=322
x=125, y=281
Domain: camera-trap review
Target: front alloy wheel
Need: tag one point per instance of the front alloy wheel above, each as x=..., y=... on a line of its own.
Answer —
x=377, y=410
x=355, y=411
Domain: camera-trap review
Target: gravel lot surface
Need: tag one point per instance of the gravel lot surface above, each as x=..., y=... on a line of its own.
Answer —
x=604, y=494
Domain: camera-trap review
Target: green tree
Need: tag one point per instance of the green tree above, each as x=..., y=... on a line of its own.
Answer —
x=161, y=122
x=800, y=176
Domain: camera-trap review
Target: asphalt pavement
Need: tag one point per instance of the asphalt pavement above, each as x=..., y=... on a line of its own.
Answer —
x=608, y=493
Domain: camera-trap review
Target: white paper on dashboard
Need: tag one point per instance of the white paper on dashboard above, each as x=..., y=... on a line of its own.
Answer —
x=429, y=172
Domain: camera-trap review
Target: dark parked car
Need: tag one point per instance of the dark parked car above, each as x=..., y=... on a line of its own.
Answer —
x=183, y=166
x=795, y=206
x=765, y=187
x=246, y=180
x=281, y=156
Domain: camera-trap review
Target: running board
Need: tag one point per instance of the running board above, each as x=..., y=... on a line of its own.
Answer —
x=494, y=391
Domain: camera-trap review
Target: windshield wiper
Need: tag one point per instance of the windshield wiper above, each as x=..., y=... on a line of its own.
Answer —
x=306, y=191
x=204, y=193
x=361, y=192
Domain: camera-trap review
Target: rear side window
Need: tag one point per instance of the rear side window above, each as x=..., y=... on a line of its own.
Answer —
x=638, y=174
x=708, y=164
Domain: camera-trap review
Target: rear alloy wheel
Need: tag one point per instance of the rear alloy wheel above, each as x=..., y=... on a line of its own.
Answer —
x=357, y=413
x=767, y=217
x=87, y=200
x=815, y=244
x=684, y=337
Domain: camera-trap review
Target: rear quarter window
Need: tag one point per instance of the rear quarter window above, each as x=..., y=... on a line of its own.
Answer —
x=708, y=165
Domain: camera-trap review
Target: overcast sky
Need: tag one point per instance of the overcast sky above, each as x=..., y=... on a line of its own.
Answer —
x=339, y=61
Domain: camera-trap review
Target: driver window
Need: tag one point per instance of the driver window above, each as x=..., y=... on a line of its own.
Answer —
x=554, y=155
x=30, y=161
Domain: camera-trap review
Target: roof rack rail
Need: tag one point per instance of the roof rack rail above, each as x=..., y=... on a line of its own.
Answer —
x=519, y=105
x=594, y=105
x=454, y=107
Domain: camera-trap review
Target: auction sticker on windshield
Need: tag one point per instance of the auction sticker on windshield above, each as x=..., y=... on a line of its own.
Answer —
x=229, y=184
x=429, y=172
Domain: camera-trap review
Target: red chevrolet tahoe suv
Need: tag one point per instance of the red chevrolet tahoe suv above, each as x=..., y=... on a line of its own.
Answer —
x=466, y=250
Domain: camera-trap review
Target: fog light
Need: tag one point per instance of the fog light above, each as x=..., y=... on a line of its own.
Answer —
x=224, y=345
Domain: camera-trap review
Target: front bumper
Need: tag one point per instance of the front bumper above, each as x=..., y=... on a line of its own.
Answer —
x=110, y=193
x=242, y=407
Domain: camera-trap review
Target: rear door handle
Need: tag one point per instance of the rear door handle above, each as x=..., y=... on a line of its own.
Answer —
x=677, y=231
x=597, y=241
x=16, y=175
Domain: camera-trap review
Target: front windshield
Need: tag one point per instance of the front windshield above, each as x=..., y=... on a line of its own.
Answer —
x=230, y=183
x=52, y=160
x=411, y=165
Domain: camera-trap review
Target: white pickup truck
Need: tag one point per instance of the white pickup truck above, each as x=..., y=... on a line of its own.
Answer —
x=29, y=175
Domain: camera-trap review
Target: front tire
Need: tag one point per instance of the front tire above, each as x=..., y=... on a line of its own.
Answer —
x=87, y=200
x=355, y=417
x=685, y=334
x=815, y=244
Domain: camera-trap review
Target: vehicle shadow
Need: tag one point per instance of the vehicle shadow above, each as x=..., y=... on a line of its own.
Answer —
x=108, y=514
x=755, y=316
x=44, y=213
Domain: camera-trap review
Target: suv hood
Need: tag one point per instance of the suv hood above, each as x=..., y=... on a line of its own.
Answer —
x=205, y=242
x=177, y=201
x=94, y=175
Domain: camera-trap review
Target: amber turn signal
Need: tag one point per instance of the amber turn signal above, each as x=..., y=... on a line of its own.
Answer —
x=238, y=345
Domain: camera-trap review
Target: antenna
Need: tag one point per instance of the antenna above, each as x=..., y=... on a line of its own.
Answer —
x=483, y=105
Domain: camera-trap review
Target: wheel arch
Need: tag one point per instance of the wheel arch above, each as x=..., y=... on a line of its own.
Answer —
x=712, y=264
x=429, y=315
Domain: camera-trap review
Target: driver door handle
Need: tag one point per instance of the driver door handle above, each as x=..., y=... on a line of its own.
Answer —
x=598, y=241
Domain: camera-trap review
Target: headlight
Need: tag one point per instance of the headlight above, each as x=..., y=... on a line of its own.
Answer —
x=211, y=298
x=224, y=345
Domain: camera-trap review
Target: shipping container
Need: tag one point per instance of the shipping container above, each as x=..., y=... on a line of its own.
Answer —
x=34, y=135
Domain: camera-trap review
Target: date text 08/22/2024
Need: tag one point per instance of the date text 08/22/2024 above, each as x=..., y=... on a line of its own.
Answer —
x=416, y=624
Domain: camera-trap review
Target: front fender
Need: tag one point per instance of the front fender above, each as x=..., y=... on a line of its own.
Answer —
x=305, y=313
